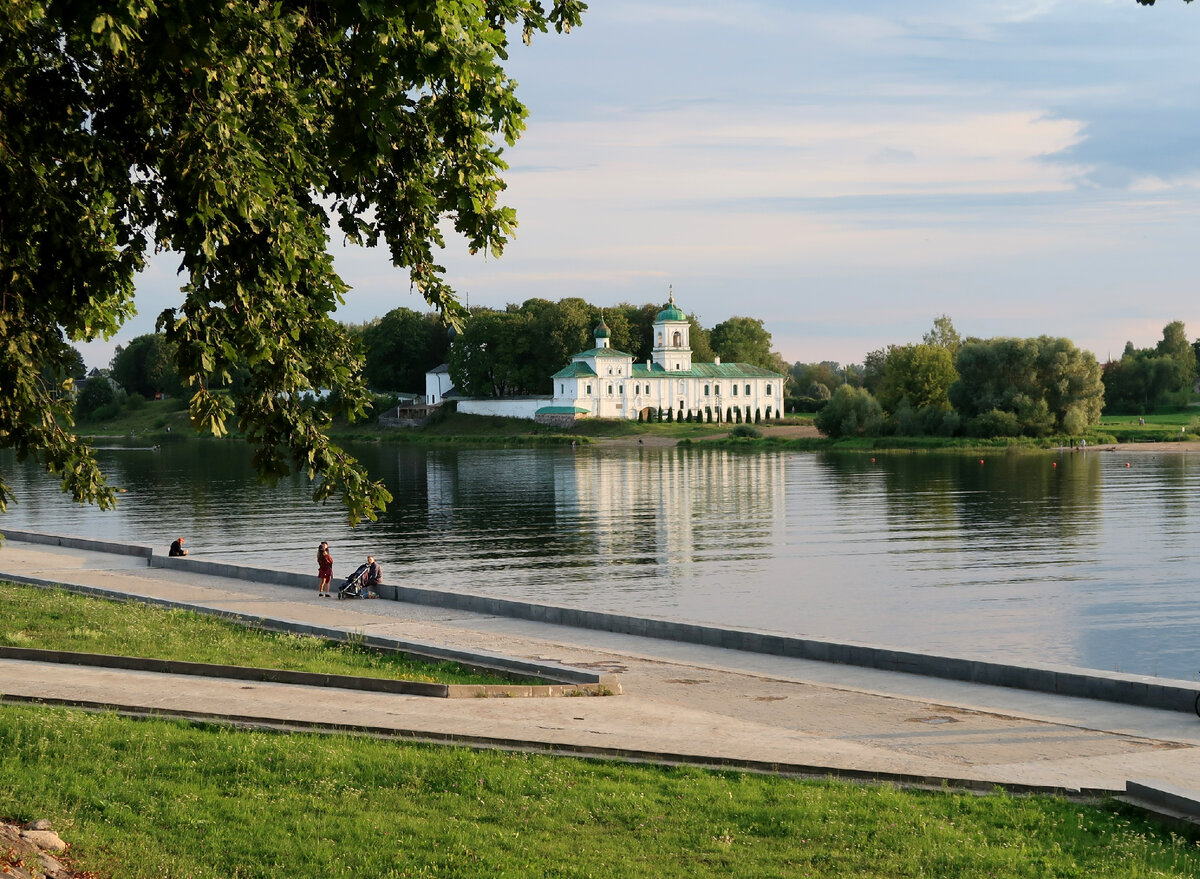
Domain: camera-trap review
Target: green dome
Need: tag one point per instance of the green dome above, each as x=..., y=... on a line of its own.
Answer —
x=671, y=312
x=602, y=331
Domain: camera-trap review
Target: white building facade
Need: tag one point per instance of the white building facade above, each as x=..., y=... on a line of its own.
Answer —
x=606, y=383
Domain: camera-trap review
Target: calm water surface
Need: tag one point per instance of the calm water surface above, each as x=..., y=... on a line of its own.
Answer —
x=1067, y=558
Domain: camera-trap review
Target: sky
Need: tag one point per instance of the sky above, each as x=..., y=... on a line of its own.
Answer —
x=845, y=173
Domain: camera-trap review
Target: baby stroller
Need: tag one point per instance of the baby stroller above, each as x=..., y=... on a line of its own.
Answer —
x=356, y=584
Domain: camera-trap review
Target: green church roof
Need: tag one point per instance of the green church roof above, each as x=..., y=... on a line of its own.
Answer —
x=671, y=312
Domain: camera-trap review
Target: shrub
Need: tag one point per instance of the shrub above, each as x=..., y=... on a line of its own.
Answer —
x=994, y=422
x=850, y=412
x=746, y=431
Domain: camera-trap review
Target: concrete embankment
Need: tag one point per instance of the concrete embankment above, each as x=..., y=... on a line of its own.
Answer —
x=1142, y=690
x=680, y=702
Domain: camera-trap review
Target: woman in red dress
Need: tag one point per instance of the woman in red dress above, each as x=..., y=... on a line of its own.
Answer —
x=324, y=569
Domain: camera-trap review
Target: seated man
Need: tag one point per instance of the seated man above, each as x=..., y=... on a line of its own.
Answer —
x=374, y=573
x=177, y=547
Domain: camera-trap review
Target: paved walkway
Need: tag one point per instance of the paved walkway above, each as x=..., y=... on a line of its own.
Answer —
x=679, y=700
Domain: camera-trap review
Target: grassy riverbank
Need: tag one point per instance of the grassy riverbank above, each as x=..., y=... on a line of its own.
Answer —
x=143, y=799
x=52, y=619
x=162, y=421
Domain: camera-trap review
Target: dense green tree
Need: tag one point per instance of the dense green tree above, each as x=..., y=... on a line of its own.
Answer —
x=558, y=330
x=1141, y=381
x=943, y=335
x=918, y=376
x=235, y=134
x=1046, y=383
x=146, y=366
x=1174, y=344
x=1145, y=379
x=743, y=340
x=96, y=394
x=401, y=347
x=850, y=412
x=490, y=357
x=874, y=369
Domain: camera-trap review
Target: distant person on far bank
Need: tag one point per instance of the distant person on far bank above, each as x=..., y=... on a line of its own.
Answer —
x=177, y=548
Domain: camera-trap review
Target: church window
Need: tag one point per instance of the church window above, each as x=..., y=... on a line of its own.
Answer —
x=621, y=390
x=768, y=390
x=677, y=339
x=735, y=390
x=747, y=390
x=660, y=337
x=717, y=390
x=706, y=389
x=610, y=390
x=589, y=389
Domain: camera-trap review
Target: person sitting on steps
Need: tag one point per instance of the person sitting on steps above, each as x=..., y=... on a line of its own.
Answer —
x=177, y=548
x=374, y=575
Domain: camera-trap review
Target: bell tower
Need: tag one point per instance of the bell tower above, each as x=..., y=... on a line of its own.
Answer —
x=672, y=349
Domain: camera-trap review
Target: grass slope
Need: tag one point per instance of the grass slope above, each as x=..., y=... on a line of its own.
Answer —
x=53, y=619
x=144, y=799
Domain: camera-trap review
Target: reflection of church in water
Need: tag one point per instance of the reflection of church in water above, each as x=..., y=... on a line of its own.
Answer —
x=617, y=515
x=606, y=383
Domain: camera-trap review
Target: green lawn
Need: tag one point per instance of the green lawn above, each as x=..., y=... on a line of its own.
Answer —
x=1182, y=424
x=54, y=619
x=141, y=799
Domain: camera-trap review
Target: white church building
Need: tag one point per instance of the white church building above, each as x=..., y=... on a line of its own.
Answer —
x=606, y=383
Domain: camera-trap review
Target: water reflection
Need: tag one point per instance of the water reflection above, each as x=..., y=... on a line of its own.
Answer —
x=1072, y=557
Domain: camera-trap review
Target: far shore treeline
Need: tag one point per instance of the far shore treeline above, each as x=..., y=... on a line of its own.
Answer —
x=943, y=385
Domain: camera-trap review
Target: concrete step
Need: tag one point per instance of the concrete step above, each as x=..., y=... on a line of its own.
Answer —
x=1164, y=799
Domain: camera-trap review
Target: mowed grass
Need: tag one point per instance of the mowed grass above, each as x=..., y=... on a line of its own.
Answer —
x=1181, y=424
x=147, y=799
x=54, y=619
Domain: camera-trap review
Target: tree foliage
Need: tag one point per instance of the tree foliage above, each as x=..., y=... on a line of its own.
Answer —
x=1145, y=379
x=850, y=412
x=146, y=366
x=1045, y=384
x=234, y=134
x=401, y=347
x=745, y=340
x=917, y=376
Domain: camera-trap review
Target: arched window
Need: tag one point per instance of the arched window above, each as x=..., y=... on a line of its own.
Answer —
x=706, y=387
x=660, y=340
x=768, y=390
x=610, y=390
x=735, y=389
x=747, y=390
x=677, y=339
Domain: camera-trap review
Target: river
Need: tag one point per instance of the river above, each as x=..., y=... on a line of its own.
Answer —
x=1085, y=559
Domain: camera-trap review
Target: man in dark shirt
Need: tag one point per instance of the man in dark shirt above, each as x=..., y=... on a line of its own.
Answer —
x=177, y=547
